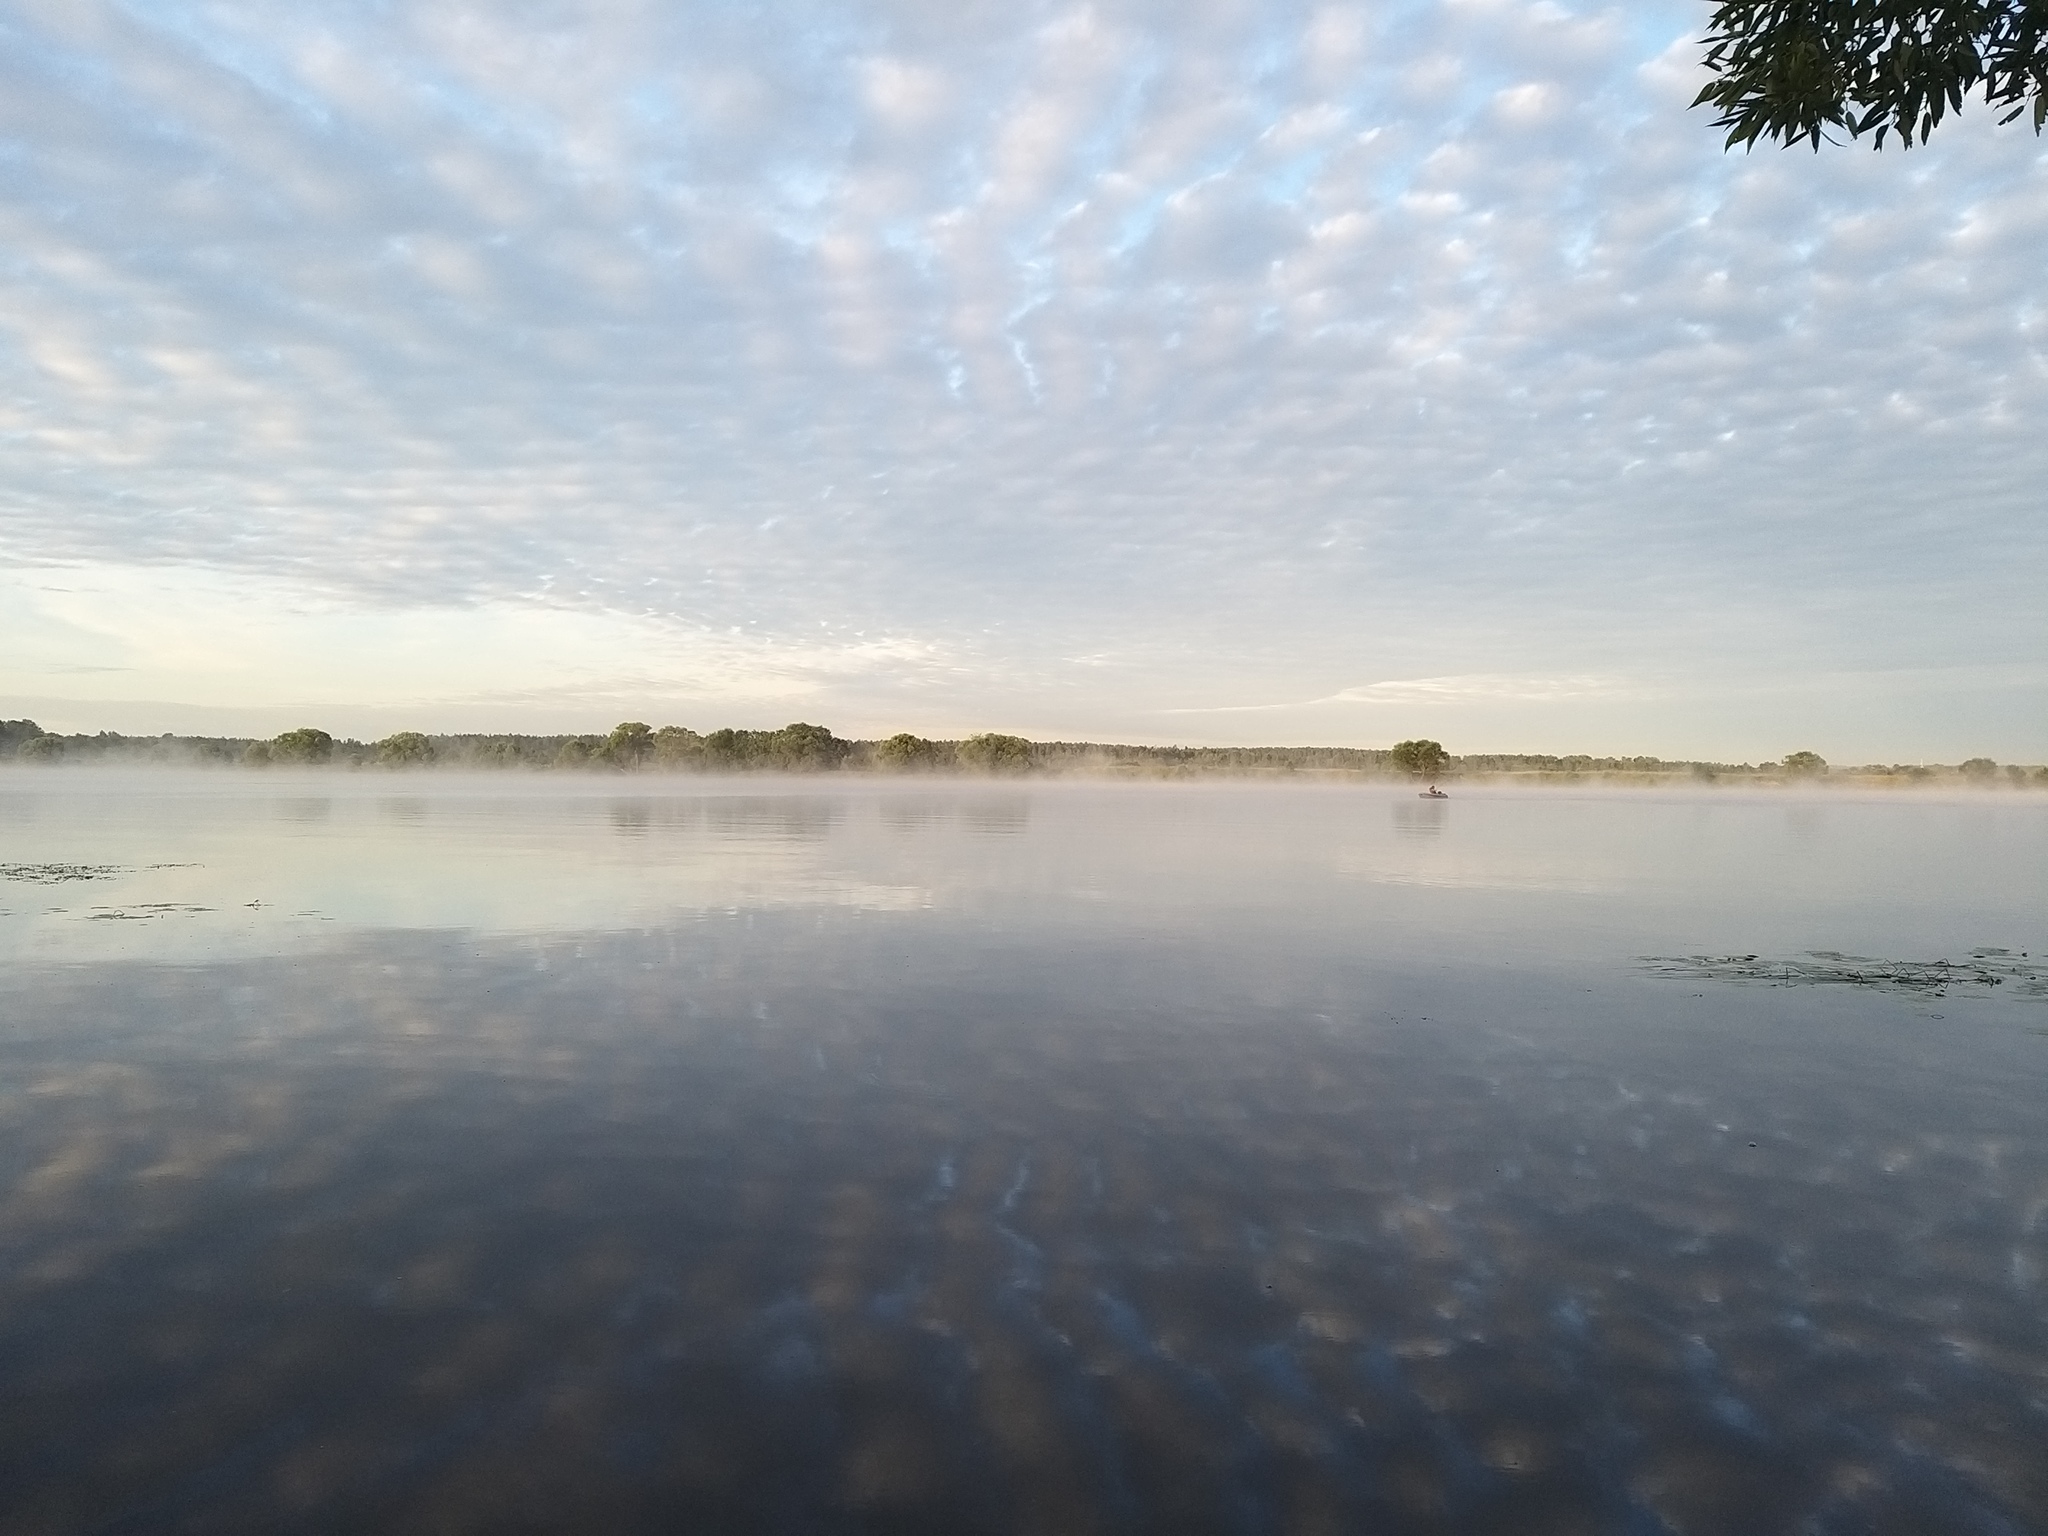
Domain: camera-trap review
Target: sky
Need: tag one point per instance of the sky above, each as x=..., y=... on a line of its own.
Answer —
x=1204, y=371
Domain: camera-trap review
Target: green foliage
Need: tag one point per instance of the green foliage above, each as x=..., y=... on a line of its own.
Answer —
x=405, y=749
x=1423, y=758
x=304, y=745
x=676, y=747
x=630, y=744
x=802, y=746
x=499, y=751
x=992, y=752
x=796, y=748
x=1791, y=70
x=16, y=734
x=904, y=751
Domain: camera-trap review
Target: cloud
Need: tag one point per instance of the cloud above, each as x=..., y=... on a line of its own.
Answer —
x=1448, y=690
x=216, y=640
x=1478, y=686
x=1261, y=347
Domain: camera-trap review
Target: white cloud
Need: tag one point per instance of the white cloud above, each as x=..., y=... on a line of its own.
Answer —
x=1464, y=689
x=1481, y=685
x=1261, y=349
x=906, y=94
x=205, y=638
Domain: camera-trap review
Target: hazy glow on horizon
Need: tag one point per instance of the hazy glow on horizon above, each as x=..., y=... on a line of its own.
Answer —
x=1209, y=372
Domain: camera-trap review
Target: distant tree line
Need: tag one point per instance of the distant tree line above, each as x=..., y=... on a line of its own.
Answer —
x=634, y=747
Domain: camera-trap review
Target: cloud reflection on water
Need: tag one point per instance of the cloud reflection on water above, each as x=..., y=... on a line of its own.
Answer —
x=1036, y=1158
x=849, y=1221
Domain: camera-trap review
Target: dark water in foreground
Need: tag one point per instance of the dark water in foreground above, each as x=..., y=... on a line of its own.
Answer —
x=961, y=1160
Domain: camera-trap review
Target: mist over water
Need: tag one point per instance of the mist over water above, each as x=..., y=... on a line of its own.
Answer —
x=439, y=1156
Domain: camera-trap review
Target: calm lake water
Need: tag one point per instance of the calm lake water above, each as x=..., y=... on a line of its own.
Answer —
x=450, y=1155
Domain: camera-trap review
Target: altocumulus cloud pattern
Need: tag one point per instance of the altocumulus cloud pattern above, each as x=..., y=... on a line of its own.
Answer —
x=1211, y=370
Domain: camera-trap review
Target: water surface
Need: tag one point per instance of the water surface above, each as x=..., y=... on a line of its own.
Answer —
x=445, y=1155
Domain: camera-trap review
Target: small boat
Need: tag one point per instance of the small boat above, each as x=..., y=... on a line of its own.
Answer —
x=1432, y=793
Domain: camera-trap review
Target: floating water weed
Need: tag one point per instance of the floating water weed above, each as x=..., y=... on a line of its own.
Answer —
x=1985, y=968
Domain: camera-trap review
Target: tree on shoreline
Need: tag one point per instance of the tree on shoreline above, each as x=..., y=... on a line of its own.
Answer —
x=630, y=744
x=675, y=746
x=802, y=747
x=304, y=745
x=405, y=749
x=798, y=747
x=904, y=751
x=993, y=752
x=16, y=734
x=1423, y=758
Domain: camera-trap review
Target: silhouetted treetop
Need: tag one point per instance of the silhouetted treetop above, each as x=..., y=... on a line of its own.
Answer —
x=1793, y=70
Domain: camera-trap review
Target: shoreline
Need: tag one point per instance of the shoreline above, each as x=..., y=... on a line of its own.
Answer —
x=1943, y=783
x=633, y=749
